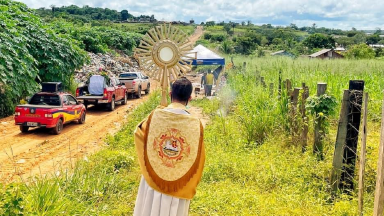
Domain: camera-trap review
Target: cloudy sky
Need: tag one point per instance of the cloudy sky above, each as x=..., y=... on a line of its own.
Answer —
x=340, y=14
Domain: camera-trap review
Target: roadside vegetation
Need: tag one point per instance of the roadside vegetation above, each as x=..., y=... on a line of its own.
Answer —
x=252, y=166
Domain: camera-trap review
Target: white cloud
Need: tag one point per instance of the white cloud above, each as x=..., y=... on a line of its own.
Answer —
x=345, y=14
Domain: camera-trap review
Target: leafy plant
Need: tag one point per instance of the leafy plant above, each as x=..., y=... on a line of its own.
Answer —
x=31, y=53
x=11, y=202
x=321, y=106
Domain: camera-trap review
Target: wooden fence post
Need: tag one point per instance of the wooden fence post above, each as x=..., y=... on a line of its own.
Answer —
x=280, y=78
x=263, y=82
x=347, y=136
x=293, y=114
x=362, y=156
x=289, y=87
x=257, y=77
x=271, y=86
x=341, y=136
x=244, y=66
x=319, y=130
x=379, y=191
x=356, y=88
x=304, y=132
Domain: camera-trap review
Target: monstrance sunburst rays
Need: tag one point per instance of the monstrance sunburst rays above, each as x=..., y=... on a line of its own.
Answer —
x=165, y=54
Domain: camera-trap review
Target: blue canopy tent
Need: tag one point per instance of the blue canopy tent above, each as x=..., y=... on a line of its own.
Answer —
x=204, y=56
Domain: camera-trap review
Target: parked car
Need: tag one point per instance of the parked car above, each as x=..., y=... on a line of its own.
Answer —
x=50, y=108
x=136, y=82
x=102, y=90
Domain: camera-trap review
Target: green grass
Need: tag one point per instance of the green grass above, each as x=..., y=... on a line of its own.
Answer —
x=273, y=176
x=252, y=167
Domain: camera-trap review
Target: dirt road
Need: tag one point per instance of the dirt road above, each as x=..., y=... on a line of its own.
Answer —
x=40, y=152
x=196, y=35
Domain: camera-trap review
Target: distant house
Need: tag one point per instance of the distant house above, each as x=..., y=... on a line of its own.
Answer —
x=375, y=46
x=326, y=53
x=282, y=53
x=340, y=49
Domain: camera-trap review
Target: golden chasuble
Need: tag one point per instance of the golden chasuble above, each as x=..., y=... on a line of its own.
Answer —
x=171, y=152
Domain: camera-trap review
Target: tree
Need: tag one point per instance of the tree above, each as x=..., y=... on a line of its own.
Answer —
x=379, y=52
x=360, y=37
x=226, y=47
x=227, y=28
x=373, y=39
x=233, y=25
x=293, y=26
x=247, y=43
x=360, y=51
x=344, y=41
x=53, y=9
x=249, y=23
x=209, y=23
x=318, y=40
x=243, y=23
x=124, y=15
x=378, y=31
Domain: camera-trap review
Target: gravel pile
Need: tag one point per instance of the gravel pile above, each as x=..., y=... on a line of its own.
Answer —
x=100, y=63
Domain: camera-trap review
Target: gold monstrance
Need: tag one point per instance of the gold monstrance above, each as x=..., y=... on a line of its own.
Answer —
x=163, y=55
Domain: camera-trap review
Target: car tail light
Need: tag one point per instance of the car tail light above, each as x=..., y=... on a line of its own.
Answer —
x=133, y=82
x=77, y=92
x=105, y=92
x=48, y=115
x=17, y=113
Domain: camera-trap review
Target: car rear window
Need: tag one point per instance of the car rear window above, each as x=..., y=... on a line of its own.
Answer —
x=53, y=100
x=134, y=76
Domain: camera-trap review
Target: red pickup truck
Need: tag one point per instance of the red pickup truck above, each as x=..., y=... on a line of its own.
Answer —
x=102, y=90
x=49, y=109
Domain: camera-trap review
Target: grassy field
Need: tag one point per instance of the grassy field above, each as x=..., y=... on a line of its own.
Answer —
x=252, y=167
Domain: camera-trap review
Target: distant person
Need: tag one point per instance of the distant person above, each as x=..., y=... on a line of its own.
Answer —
x=170, y=149
x=209, y=81
x=203, y=79
x=217, y=72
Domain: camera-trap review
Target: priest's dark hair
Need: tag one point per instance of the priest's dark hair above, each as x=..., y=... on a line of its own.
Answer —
x=181, y=90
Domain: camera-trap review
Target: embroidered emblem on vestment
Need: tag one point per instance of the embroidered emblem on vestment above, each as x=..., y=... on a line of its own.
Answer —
x=172, y=147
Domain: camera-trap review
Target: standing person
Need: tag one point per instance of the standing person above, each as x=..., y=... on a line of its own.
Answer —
x=169, y=144
x=203, y=79
x=209, y=81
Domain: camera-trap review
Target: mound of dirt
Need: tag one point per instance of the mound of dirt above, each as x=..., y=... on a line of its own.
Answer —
x=112, y=65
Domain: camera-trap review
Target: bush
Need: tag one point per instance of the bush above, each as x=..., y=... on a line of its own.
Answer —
x=218, y=38
x=207, y=36
x=360, y=51
x=30, y=53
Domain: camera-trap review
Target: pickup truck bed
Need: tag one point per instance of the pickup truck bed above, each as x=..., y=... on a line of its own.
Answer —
x=135, y=82
x=100, y=90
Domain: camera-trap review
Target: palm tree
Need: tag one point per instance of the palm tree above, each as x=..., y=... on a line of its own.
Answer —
x=53, y=9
